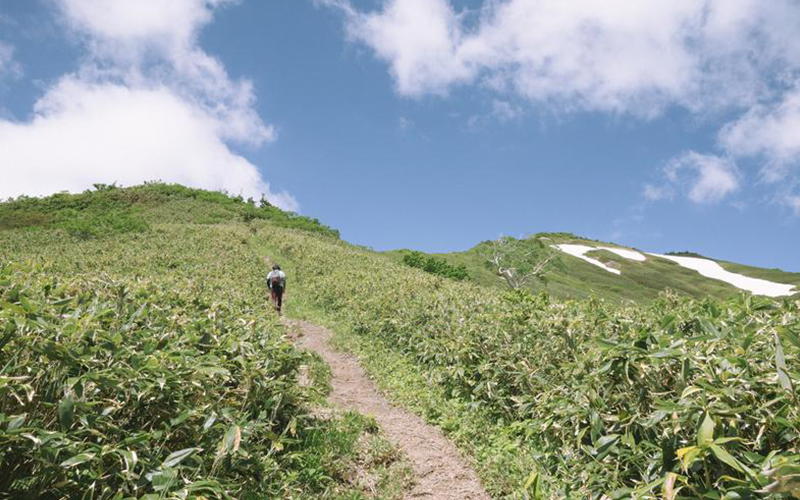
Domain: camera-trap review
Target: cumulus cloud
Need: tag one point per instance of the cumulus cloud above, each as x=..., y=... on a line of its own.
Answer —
x=84, y=134
x=768, y=132
x=172, y=24
x=146, y=103
x=419, y=38
x=704, y=178
x=771, y=132
x=153, y=40
x=616, y=55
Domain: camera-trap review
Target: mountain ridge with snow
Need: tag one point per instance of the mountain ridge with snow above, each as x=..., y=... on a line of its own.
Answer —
x=584, y=267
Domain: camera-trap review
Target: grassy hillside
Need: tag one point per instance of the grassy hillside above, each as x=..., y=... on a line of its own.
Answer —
x=576, y=398
x=138, y=357
x=111, y=210
x=639, y=281
x=550, y=398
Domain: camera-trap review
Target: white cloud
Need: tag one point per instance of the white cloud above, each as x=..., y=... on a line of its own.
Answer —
x=419, y=38
x=153, y=22
x=706, y=178
x=504, y=111
x=84, y=134
x=146, y=103
x=404, y=124
x=154, y=40
x=771, y=132
x=652, y=192
x=793, y=202
x=9, y=67
x=615, y=55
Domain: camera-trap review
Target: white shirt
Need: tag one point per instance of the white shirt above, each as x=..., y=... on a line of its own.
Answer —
x=280, y=274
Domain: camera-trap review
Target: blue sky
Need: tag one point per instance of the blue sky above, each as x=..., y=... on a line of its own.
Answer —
x=425, y=124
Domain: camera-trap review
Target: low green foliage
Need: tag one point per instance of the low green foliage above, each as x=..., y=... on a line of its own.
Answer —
x=686, y=253
x=613, y=400
x=435, y=265
x=119, y=390
x=131, y=342
x=88, y=225
x=149, y=365
x=89, y=215
x=110, y=210
x=492, y=446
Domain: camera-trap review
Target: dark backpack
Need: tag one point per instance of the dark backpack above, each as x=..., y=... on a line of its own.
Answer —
x=276, y=281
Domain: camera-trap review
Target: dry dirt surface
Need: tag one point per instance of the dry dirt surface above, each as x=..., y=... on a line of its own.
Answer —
x=440, y=471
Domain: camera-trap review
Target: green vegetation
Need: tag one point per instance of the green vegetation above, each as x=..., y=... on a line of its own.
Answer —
x=681, y=398
x=640, y=282
x=686, y=253
x=775, y=275
x=157, y=341
x=434, y=265
x=113, y=390
x=111, y=210
x=145, y=364
x=520, y=263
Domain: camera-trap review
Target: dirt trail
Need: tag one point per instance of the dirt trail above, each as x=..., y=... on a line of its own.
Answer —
x=439, y=469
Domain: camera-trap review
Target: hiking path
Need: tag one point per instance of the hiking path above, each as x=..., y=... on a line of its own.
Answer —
x=440, y=471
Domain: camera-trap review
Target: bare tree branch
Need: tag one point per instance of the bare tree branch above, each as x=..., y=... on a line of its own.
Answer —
x=517, y=265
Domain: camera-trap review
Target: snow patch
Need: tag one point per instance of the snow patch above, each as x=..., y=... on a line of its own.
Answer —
x=711, y=269
x=579, y=251
x=705, y=267
x=628, y=254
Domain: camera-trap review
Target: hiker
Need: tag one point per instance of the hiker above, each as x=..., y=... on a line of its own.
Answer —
x=276, y=282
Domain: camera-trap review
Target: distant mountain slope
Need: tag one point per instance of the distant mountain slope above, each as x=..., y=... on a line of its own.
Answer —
x=614, y=272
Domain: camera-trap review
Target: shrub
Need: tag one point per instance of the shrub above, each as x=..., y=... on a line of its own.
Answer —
x=91, y=225
x=120, y=389
x=435, y=265
x=686, y=253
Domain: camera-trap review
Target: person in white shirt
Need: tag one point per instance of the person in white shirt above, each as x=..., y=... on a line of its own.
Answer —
x=276, y=282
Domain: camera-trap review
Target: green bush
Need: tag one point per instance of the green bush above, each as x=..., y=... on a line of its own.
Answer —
x=88, y=225
x=686, y=253
x=120, y=389
x=435, y=265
